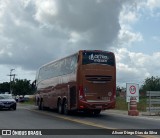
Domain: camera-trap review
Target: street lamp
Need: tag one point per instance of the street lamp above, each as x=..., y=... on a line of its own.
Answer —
x=10, y=80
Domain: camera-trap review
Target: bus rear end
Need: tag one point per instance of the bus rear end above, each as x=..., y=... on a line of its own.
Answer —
x=96, y=81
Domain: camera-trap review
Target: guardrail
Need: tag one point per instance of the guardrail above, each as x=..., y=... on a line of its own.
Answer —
x=153, y=102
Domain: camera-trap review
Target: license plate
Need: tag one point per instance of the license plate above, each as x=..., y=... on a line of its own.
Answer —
x=99, y=107
x=105, y=98
x=6, y=106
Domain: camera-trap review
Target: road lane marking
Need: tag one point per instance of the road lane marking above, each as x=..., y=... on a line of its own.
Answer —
x=83, y=122
x=72, y=120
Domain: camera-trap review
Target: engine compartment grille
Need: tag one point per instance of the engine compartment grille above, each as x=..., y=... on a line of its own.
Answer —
x=98, y=78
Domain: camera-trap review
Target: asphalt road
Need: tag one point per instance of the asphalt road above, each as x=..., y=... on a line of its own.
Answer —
x=29, y=117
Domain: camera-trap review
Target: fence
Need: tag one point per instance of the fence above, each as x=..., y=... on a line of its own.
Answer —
x=153, y=102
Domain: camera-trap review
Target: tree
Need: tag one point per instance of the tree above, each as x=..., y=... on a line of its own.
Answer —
x=151, y=84
x=22, y=87
x=118, y=90
x=5, y=87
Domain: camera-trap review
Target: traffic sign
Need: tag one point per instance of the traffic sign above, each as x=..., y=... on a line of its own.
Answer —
x=132, y=91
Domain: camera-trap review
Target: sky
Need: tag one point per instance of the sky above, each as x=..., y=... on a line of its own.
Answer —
x=34, y=32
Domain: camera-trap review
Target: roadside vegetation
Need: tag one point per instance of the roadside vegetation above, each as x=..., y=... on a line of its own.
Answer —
x=18, y=87
x=29, y=101
x=150, y=84
x=121, y=104
x=24, y=87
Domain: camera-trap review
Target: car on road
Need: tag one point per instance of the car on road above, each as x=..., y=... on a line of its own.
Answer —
x=7, y=102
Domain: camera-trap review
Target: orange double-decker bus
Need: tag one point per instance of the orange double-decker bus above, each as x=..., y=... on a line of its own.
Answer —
x=84, y=81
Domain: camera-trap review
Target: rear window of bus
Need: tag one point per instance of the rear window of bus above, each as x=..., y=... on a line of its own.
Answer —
x=105, y=58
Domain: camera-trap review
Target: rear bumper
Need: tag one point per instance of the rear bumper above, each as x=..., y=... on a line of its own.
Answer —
x=96, y=105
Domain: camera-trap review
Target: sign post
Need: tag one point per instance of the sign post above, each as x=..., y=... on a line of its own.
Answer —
x=132, y=97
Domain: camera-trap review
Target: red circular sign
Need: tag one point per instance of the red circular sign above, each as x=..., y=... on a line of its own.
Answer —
x=132, y=89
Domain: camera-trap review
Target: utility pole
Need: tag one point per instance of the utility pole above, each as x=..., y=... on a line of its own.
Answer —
x=10, y=79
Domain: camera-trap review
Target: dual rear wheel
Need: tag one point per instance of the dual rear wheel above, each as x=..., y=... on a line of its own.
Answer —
x=62, y=107
x=40, y=104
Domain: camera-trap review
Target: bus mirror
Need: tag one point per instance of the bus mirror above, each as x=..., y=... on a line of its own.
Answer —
x=34, y=85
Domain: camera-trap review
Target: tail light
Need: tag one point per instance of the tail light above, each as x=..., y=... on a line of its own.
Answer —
x=81, y=93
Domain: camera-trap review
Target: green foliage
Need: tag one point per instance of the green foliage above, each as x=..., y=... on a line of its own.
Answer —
x=22, y=87
x=118, y=89
x=19, y=87
x=151, y=84
x=31, y=101
x=121, y=104
x=5, y=87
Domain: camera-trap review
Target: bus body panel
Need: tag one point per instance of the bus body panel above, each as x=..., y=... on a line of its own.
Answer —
x=84, y=85
x=98, y=83
x=56, y=88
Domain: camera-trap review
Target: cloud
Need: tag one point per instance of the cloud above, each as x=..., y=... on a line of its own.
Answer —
x=97, y=21
x=153, y=4
x=148, y=8
x=136, y=67
x=33, y=32
x=129, y=15
x=23, y=42
x=126, y=37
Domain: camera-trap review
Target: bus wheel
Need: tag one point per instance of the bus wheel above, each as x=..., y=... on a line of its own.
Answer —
x=40, y=106
x=65, y=107
x=59, y=107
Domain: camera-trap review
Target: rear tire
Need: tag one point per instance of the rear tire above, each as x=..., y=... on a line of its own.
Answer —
x=60, y=107
x=40, y=105
x=65, y=108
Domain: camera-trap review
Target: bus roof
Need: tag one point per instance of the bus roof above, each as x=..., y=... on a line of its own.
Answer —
x=57, y=60
x=72, y=55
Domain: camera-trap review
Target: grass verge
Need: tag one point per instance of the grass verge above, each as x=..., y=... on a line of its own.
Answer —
x=121, y=104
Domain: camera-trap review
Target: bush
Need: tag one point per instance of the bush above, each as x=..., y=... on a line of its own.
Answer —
x=121, y=104
x=30, y=101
